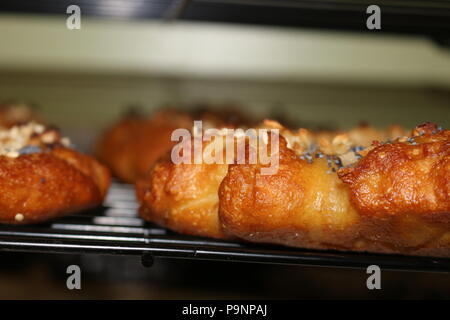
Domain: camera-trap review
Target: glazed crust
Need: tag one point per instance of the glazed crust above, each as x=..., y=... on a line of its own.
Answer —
x=394, y=200
x=300, y=205
x=47, y=185
x=398, y=178
x=402, y=192
x=183, y=197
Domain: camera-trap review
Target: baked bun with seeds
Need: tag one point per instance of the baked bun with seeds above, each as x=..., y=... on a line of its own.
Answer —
x=390, y=197
x=42, y=178
x=185, y=197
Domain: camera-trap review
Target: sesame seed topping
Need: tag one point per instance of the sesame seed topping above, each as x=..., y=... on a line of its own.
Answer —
x=19, y=217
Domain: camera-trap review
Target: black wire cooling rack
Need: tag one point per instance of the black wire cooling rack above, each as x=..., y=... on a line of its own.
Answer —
x=116, y=229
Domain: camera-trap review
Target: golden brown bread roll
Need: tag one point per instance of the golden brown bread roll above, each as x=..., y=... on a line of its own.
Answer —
x=41, y=177
x=184, y=197
x=393, y=200
x=390, y=197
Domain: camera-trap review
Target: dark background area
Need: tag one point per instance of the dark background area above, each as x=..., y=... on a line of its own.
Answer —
x=41, y=276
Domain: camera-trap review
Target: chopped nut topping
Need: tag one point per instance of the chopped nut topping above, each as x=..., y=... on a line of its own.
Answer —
x=348, y=158
x=27, y=139
x=339, y=145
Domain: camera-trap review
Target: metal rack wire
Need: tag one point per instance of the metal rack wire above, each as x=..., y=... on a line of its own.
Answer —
x=116, y=229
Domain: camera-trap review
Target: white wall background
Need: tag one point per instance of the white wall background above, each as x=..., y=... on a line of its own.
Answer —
x=188, y=49
x=84, y=79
